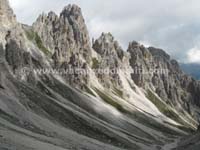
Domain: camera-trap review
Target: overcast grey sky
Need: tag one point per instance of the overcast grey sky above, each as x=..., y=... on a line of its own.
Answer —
x=173, y=25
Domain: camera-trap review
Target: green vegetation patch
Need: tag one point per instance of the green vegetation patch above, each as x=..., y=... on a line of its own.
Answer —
x=30, y=35
x=164, y=108
x=89, y=91
x=33, y=36
x=118, y=92
x=40, y=44
x=110, y=101
x=95, y=63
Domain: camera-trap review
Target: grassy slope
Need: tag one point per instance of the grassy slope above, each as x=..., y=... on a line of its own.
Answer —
x=34, y=37
x=166, y=110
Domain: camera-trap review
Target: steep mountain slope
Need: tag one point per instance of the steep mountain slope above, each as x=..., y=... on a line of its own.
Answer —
x=7, y=19
x=118, y=109
x=190, y=142
x=167, y=79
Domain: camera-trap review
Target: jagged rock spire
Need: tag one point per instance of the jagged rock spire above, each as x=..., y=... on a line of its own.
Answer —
x=6, y=13
x=74, y=16
x=7, y=20
x=71, y=10
x=67, y=34
x=106, y=45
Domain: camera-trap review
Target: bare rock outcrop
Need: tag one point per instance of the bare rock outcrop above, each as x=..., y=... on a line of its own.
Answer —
x=64, y=35
x=155, y=70
x=111, y=57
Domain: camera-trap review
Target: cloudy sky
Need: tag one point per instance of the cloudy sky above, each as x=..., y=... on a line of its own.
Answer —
x=173, y=25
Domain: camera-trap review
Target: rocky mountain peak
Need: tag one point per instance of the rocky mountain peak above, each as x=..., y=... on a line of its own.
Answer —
x=6, y=13
x=112, y=56
x=52, y=15
x=42, y=17
x=107, y=37
x=72, y=15
x=133, y=45
x=138, y=53
x=64, y=35
x=107, y=46
x=156, y=52
x=72, y=10
x=7, y=20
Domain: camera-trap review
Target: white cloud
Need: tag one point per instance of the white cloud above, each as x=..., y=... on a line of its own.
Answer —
x=194, y=55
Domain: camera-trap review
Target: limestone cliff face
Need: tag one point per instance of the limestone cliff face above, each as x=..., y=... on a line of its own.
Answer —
x=7, y=19
x=67, y=40
x=167, y=79
x=111, y=57
x=7, y=16
x=64, y=35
